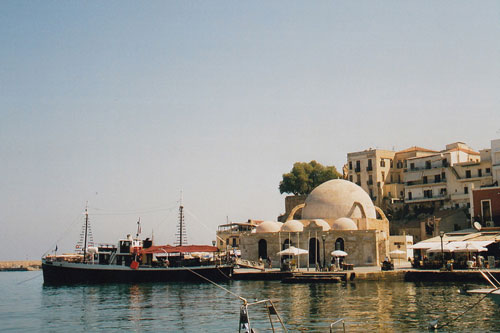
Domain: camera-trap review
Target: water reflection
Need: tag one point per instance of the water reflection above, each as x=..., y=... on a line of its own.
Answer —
x=367, y=306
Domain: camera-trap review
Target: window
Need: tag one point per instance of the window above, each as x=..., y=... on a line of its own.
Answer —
x=389, y=194
x=466, y=190
x=350, y=165
x=383, y=175
x=391, y=178
x=234, y=243
x=437, y=178
x=488, y=170
x=409, y=196
x=358, y=166
x=445, y=162
x=350, y=178
x=486, y=210
x=412, y=166
x=369, y=167
x=382, y=163
x=467, y=174
x=443, y=191
x=443, y=176
x=479, y=172
x=424, y=180
x=392, y=163
x=263, y=249
x=427, y=164
x=339, y=244
x=370, y=180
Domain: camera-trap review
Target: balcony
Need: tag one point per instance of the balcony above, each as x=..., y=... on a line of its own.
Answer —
x=422, y=183
x=424, y=199
x=415, y=169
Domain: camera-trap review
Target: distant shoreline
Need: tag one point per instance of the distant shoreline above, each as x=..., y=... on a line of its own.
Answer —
x=20, y=265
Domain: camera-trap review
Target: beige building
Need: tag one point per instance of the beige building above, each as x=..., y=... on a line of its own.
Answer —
x=337, y=215
x=380, y=172
x=422, y=176
x=495, y=161
x=370, y=169
x=447, y=177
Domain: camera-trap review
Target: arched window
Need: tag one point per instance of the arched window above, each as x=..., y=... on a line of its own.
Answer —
x=339, y=244
x=263, y=249
x=314, y=251
x=286, y=244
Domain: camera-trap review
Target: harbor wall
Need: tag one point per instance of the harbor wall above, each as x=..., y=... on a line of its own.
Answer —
x=20, y=265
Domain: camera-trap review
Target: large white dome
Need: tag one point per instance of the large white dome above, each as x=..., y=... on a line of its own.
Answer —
x=268, y=226
x=292, y=226
x=335, y=199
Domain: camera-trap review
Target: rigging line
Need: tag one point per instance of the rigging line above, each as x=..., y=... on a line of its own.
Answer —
x=146, y=209
x=215, y=284
x=38, y=275
x=470, y=308
x=64, y=233
x=197, y=220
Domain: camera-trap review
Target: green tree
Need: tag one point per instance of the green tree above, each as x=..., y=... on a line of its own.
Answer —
x=304, y=177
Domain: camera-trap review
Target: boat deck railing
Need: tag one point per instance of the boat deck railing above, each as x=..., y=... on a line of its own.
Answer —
x=337, y=322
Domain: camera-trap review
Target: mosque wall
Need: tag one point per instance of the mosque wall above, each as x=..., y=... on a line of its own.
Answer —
x=364, y=247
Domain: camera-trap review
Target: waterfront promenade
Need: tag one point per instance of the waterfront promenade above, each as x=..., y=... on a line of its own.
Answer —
x=403, y=272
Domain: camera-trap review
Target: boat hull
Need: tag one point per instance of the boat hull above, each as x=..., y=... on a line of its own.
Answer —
x=63, y=273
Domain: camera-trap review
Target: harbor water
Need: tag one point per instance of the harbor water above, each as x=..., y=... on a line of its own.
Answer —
x=27, y=305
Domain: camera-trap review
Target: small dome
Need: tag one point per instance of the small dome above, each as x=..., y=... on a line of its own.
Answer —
x=322, y=223
x=337, y=198
x=268, y=226
x=292, y=226
x=344, y=223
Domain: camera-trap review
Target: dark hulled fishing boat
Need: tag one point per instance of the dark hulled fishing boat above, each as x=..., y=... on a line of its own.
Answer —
x=134, y=260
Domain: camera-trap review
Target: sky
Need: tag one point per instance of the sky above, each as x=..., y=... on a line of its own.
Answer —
x=126, y=105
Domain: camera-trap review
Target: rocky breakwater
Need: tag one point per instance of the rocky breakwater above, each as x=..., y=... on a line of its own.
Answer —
x=20, y=265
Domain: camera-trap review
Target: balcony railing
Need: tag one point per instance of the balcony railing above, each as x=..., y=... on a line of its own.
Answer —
x=433, y=198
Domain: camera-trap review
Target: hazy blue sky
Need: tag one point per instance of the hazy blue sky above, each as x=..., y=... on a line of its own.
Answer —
x=125, y=104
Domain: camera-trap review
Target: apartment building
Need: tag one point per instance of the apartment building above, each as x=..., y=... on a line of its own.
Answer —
x=495, y=161
x=418, y=175
x=380, y=172
x=370, y=169
x=448, y=176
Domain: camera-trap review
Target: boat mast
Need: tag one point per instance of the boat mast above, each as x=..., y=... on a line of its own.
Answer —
x=181, y=231
x=86, y=229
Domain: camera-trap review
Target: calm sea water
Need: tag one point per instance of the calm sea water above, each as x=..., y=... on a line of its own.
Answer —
x=178, y=307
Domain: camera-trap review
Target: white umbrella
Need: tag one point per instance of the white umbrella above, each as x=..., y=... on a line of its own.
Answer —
x=339, y=253
x=292, y=250
x=397, y=252
x=470, y=247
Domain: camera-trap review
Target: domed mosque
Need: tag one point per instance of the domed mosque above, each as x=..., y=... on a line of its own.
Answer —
x=336, y=215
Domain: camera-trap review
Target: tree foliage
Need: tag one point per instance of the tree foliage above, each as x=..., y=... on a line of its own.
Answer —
x=304, y=177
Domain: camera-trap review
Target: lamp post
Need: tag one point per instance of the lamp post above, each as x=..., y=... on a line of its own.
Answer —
x=324, y=257
x=441, y=234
